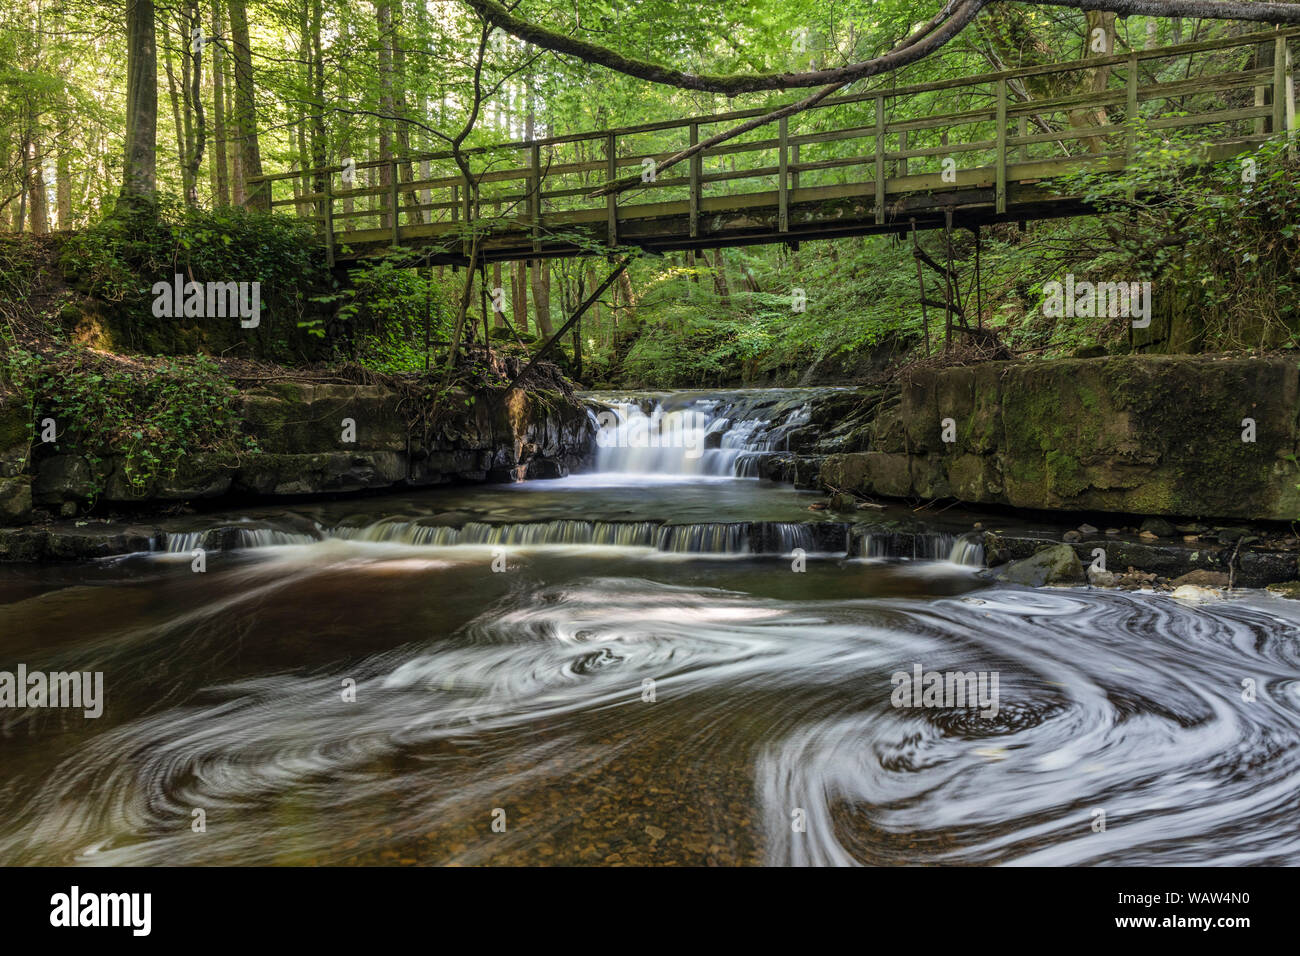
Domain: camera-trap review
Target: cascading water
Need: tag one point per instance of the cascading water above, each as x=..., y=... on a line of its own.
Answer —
x=681, y=439
x=734, y=537
x=720, y=435
x=709, y=537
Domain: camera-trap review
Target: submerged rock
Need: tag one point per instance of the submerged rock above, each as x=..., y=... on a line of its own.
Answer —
x=1158, y=527
x=1204, y=579
x=1099, y=578
x=1057, y=564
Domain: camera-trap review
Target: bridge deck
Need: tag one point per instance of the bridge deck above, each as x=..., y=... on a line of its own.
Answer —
x=999, y=160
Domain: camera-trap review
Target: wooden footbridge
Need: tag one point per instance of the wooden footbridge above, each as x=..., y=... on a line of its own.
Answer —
x=870, y=162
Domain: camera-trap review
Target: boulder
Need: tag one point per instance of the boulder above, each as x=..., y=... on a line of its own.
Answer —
x=15, y=500
x=1158, y=527
x=61, y=478
x=1057, y=564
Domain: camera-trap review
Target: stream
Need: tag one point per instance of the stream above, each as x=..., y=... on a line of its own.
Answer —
x=666, y=660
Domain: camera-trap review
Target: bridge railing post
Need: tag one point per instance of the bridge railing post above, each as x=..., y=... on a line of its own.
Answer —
x=1289, y=116
x=1000, y=185
x=880, y=160
x=611, y=201
x=535, y=194
x=696, y=173
x=783, y=177
x=327, y=216
x=392, y=201
x=1279, y=85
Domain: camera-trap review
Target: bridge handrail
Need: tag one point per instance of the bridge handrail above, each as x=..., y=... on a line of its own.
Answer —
x=1249, y=39
x=555, y=190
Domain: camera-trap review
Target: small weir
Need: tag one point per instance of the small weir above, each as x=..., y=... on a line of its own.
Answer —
x=827, y=538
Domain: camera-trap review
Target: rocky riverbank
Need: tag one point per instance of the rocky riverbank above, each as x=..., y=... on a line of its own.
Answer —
x=1175, y=436
x=311, y=439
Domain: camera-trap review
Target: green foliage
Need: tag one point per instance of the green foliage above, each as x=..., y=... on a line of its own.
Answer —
x=857, y=294
x=148, y=417
x=118, y=260
x=1225, y=236
x=386, y=308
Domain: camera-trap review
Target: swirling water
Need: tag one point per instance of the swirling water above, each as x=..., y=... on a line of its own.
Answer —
x=550, y=674
x=613, y=704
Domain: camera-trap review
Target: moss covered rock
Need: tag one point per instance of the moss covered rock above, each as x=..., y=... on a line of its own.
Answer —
x=1152, y=435
x=15, y=500
x=1057, y=564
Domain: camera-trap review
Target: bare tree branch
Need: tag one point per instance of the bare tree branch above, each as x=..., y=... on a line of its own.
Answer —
x=731, y=85
x=898, y=57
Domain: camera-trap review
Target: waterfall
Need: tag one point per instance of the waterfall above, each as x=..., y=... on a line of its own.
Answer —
x=968, y=549
x=231, y=538
x=721, y=435
x=921, y=546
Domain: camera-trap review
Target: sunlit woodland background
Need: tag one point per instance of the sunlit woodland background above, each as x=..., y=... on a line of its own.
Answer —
x=295, y=84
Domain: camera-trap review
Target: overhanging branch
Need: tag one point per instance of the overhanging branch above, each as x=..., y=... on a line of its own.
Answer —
x=953, y=11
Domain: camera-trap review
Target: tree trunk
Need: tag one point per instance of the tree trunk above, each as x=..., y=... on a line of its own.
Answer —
x=541, y=271
x=305, y=77
x=1099, y=40
x=519, y=297
x=720, y=285
x=24, y=182
x=319, y=144
x=384, y=19
x=173, y=94
x=577, y=349
x=220, y=169
x=629, y=300
x=140, y=177
x=257, y=195
x=64, y=188
x=200, y=137
x=36, y=189
x=234, y=147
